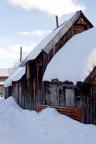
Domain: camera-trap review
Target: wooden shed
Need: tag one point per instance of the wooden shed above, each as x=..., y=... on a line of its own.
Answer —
x=37, y=93
x=38, y=59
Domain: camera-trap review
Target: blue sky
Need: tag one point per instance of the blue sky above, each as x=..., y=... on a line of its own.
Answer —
x=26, y=22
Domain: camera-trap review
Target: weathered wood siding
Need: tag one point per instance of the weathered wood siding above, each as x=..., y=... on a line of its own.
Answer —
x=59, y=94
x=88, y=103
x=16, y=91
x=70, y=100
x=75, y=113
x=8, y=92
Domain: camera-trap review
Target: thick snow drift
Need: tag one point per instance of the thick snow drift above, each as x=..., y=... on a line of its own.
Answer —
x=18, y=126
x=75, y=60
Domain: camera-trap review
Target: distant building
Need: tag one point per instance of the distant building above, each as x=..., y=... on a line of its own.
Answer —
x=4, y=74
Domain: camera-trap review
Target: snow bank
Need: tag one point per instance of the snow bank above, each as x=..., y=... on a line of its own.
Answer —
x=18, y=126
x=75, y=60
x=15, y=77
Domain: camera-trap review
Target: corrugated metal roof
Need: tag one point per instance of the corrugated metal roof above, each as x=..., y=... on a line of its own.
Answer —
x=48, y=43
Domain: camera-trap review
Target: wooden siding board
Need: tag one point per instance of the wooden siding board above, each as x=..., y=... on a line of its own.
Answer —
x=75, y=113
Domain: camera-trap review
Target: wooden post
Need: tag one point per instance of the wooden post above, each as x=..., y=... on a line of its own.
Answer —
x=53, y=50
x=20, y=54
x=57, y=22
x=34, y=94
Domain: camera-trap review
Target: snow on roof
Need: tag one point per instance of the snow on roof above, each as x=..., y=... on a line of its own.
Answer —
x=47, y=44
x=15, y=77
x=75, y=60
x=4, y=72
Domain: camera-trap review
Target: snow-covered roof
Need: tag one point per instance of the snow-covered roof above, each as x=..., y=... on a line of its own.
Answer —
x=15, y=77
x=75, y=60
x=48, y=43
x=4, y=72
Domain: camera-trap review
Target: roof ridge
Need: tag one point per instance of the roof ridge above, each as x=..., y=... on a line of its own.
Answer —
x=47, y=43
x=80, y=11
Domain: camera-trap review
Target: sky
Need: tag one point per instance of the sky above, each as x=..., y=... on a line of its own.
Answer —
x=26, y=22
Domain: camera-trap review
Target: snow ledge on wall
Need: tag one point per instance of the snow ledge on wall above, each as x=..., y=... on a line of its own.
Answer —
x=75, y=60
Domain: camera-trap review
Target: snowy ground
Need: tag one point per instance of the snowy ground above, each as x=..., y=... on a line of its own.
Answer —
x=18, y=126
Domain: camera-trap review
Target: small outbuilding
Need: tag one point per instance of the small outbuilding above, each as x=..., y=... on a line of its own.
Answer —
x=53, y=68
